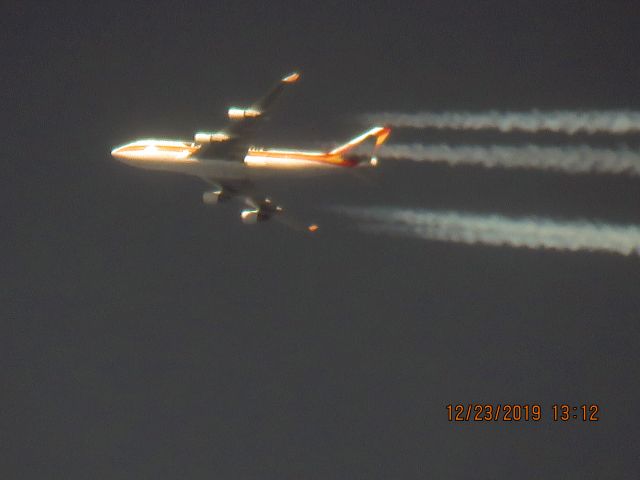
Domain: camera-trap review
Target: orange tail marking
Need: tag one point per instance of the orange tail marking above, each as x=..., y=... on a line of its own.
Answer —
x=380, y=133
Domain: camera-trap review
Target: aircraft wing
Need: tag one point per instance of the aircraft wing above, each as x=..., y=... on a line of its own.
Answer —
x=262, y=205
x=238, y=134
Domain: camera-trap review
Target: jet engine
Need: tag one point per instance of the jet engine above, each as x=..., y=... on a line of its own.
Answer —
x=265, y=211
x=241, y=113
x=213, y=197
x=206, y=137
x=251, y=217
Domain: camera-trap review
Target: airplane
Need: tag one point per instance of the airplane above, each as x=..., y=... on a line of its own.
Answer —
x=229, y=162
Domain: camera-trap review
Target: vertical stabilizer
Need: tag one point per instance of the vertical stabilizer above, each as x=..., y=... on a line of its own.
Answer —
x=364, y=144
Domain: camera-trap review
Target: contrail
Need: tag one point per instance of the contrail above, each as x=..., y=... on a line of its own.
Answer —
x=567, y=159
x=562, y=121
x=498, y=230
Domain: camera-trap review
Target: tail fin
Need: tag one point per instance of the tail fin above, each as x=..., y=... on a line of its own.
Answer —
x=367, y=142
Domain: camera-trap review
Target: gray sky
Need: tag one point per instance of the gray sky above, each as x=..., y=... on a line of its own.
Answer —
x=151, y=337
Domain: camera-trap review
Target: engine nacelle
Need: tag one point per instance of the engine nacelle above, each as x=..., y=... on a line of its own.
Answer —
x=206, y=137
x=241, y=113
x=213, y=197
x=250, y=217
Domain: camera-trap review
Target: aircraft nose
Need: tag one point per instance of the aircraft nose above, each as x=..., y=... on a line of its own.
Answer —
x=118, y=153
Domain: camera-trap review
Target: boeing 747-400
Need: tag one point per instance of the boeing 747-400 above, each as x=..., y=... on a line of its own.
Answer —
x=229, y=162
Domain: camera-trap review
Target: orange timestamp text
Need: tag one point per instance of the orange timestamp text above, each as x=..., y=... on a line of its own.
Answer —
x=520, y=412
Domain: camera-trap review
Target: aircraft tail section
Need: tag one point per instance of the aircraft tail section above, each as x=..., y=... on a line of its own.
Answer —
x=368, y=143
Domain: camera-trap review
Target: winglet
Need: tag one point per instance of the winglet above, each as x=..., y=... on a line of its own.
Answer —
x=291, y=78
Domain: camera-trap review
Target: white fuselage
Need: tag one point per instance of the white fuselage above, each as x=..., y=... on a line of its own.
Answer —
x=181, y=157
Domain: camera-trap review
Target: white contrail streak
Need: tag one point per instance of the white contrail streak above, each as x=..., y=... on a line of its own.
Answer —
x=498, y=230
x=561, y=121
x=567, y=159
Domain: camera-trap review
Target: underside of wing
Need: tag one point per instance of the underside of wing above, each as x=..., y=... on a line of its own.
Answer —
x=259, y=206
x=233, y=141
